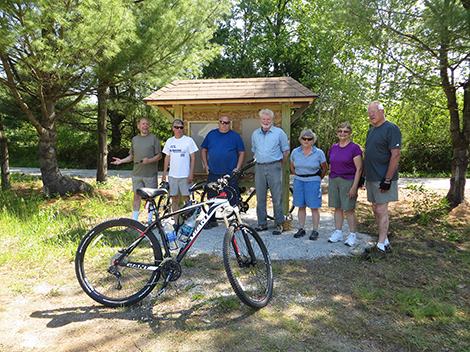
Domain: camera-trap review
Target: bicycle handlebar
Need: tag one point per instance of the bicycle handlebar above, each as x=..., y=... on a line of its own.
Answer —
x=221, y=183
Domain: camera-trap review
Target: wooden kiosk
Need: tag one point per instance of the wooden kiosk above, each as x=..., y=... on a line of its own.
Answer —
x=200, y=103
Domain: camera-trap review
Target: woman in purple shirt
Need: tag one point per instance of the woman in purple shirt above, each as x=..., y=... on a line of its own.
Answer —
x=345, y=160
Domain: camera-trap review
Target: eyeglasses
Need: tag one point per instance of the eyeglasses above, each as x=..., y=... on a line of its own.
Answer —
x=307, y=139
x=225, y=122
x=178, y=127
x=373, y=111
x=343, y=131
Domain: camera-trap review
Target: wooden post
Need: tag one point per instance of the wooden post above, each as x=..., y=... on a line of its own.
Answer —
x=285, y=124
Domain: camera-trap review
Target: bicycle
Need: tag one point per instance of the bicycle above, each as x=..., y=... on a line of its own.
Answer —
x=244, y=202
x=117, y=267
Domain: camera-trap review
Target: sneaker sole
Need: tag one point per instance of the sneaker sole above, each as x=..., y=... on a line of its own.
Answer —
x=334, y=241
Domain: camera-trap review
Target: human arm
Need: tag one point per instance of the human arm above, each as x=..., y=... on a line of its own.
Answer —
x=192, y=165
x=154, y=159
x=292, y=168
x=285, y=154
x=324, y=169
x=118, y=161
x=358, y=164
x=392, y=167
x=166, y=163
x=241, y=158
x=204, y=160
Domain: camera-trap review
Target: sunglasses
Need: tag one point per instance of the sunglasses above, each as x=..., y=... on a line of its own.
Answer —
x=343, y=131
x=178, y=127
x=225, y=122
x=307, y=139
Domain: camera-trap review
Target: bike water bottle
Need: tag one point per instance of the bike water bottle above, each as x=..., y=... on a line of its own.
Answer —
x=170, y=235
x=187, y=229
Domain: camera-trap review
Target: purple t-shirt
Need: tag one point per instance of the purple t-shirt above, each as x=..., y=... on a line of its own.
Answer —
x=342, y=160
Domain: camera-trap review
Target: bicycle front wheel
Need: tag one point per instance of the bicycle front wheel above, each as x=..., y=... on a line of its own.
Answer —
x=110, y=271
x=248, y=265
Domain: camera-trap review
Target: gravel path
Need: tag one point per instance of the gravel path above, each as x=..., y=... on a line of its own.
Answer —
x=280, y=247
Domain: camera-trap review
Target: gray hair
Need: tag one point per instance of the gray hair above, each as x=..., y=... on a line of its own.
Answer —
x=177, y=121
x=309, y=133
x=345, y=125
x=378, y=103
x=266, y=112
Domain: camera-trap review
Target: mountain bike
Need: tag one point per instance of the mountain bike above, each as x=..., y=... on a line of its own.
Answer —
x=120, y=261
x=245, y=195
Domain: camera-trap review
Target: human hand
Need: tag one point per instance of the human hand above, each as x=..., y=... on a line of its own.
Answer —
x=352, y=193
x=116, y=161
x=145, y=160
x=385, y=185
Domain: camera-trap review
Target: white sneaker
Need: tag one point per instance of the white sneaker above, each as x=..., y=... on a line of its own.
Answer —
x=351, y=241
x=337, y=236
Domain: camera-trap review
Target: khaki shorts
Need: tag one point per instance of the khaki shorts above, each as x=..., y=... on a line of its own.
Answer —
x=139, y=182
x=338, y=194
x=375, y=196
x=179, y=185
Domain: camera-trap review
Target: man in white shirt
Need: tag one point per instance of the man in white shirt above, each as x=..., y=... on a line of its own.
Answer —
x=180, y=160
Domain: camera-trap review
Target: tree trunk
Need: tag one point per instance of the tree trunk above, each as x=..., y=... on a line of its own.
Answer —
x=460, y=142
x=54, y=184
x=102, y=167
x=4, y=159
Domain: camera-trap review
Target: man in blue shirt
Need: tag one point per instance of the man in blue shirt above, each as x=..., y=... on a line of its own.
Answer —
x=271, y=148
x=222, y=153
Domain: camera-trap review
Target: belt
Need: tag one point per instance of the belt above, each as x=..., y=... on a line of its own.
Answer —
x=272, y=162
x=317, y=174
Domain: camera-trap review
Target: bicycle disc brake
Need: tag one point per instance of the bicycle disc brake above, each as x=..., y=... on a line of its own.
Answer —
x=171, y=267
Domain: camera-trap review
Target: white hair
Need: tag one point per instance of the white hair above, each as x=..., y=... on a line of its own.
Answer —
x=266, y=112
x=378, y=103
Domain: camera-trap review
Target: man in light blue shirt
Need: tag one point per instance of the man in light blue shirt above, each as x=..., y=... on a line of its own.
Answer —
x=271, y=148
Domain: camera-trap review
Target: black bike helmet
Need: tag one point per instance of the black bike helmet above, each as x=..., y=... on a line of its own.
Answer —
x=165, y=185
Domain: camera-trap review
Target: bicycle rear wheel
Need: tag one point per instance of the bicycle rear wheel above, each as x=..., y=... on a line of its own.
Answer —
x=248, y=265
x=118, y=284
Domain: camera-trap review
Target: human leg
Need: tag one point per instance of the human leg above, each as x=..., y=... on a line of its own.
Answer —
x=274, y=180
x=382, y=218
x=261, y=185
x=351, y=218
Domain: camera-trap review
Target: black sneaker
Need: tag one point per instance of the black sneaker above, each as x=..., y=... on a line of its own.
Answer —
x=314, y=235
x=261, y=228
x=374, y=253
x=278, y=230
x=300, y=233
x=388, y=249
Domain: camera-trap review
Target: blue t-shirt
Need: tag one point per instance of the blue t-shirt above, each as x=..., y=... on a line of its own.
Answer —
x=222, y=149
x=307, y=165
x=380, y=140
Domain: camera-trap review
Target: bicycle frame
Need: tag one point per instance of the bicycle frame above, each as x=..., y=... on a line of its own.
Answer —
x=216, y=203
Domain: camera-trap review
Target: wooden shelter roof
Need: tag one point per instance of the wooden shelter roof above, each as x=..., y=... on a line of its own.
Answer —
x=265, y=90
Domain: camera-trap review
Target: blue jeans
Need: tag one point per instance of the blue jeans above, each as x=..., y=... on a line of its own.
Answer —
x=269, y=176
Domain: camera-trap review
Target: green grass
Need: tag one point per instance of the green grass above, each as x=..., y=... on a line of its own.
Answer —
x=418, y=299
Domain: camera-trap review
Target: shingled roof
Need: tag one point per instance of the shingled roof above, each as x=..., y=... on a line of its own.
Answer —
x=233, y=91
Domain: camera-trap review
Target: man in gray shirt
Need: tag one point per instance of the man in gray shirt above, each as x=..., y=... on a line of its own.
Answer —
x=382, y=154
x=145, y=151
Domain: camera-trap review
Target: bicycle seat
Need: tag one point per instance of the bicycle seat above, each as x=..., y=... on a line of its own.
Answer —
x=151, y=193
